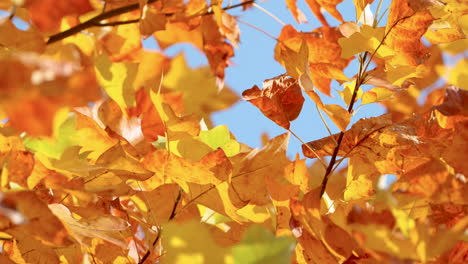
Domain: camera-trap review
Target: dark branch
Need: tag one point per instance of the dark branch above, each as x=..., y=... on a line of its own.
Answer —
x=359, y=81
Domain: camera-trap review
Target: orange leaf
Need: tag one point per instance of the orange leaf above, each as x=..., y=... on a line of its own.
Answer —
x=296, y=12
x=13, y=38
x=280, y=99
x=329, y=5
x=405, y=35
x=151, y=21
x=250, y=170
x=39, y=222
x=47, y=14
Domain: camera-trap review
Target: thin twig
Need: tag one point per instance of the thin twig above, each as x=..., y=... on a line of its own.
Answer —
x=96, y=21
x=257, y=28
x=311, y=149
x=325, y=123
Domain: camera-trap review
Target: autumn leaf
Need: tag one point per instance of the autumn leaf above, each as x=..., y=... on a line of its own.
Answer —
x=324, y=54
x=250, y=170
x=20, y=40
x=104, y=227
x=280, y=99
x=328, y=5
x=407, y=27
x=296, y=12
x=49, y=21
x=199, y=87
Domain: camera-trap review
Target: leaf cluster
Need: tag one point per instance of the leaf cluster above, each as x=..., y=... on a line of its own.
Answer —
x=108, y=153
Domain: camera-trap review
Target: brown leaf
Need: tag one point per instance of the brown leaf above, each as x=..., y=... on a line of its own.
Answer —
x=280, y=99
x=455, y=102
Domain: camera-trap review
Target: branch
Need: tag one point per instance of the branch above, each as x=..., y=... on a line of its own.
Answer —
x=96, y=21
x=364, y=64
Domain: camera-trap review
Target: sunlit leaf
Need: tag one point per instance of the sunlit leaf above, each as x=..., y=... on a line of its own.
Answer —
x=219, y=137
x=280, y=99
x=47, y=22
x=117, y=80
x=316, y=7
x=105, y=227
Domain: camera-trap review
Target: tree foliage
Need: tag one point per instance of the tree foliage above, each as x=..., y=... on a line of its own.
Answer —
x=108, y=154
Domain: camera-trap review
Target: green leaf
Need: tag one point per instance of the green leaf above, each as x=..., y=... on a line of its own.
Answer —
x=219, y=137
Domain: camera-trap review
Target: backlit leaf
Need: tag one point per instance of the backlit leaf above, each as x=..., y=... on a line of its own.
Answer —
x=280, y=99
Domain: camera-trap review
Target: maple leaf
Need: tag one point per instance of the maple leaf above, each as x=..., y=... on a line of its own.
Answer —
x=39, y=222
x=45, y=20
x=200, y=91
x=104, y=227
x=408, y=26
x=329, y=5
x=323, y=53
x=20, y=40
x=280, y=99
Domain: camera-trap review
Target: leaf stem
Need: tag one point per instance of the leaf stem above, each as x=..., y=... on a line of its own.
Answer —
x=95, y=21
x=311, y=149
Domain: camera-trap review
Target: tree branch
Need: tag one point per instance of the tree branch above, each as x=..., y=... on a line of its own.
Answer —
x=96, y=21
x=363, y=65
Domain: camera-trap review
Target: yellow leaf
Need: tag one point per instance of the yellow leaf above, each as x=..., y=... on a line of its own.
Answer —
x=220, y=137
x=191, y=242
x=255, y=213
x=201, y=96
x=367, y=39
x=250, y=170
x=122, y=163
x=338, y=115
x=117, y=78
x=382, y=239
x=294, y=62
x=347, y=93
x=377, y=94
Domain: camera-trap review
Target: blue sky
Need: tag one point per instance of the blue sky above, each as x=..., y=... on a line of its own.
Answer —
x=254, y=62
